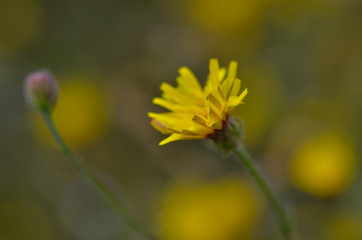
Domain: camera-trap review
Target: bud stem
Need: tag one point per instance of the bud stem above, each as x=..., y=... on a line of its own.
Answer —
x=89, y=176
x=280, y=215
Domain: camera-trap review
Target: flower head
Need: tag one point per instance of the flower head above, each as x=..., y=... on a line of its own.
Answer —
x=41, y=90
x=197, y=112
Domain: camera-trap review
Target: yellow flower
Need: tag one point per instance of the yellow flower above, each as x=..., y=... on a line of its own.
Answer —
x=224, y=209
x=324, y=165
x=227, y=15
x=195, y=112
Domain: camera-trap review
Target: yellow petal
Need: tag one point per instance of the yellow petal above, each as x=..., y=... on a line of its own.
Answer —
x=233, y=66
x=183, y=94
x=229, y=81
x=177, y=123
x=187, y=79
x=234, y=101
x=201, y=120
x=222, y=72
x=170, y=92
x=213, y=79
x=171, y=120
x=236, y=87
x=214, y=71
x=164, y=103
x=176, y=136
x=215, y=102
x=197, y=129
x=159, y=126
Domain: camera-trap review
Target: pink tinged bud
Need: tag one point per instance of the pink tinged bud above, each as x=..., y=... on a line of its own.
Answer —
x=41, y=90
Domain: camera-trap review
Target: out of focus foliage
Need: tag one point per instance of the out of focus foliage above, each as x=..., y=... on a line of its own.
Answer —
x=300, y=60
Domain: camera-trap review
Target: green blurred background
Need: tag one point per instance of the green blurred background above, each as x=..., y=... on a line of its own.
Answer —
x=301, y=61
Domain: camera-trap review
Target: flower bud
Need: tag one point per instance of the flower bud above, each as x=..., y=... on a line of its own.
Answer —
x=229, y=138
x=41, y=90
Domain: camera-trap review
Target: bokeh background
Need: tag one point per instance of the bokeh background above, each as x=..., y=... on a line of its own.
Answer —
x=301, y=61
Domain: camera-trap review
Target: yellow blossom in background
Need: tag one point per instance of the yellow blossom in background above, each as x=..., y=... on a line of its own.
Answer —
x=227, y=15
x=223, y=210
x=196, y=112
x=80, y=113
x=324, y=165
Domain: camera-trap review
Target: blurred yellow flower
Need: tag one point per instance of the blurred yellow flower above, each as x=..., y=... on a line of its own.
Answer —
x=80, y=114
x=323, y=166
x=223, y=210
x=227, y=15
x=196, y=112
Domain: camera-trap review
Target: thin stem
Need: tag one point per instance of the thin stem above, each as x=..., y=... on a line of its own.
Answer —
x=274, y=203
x=105, y=192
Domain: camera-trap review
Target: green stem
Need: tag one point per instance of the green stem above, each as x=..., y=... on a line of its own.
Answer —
x=274, y=203
x=106, y=193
